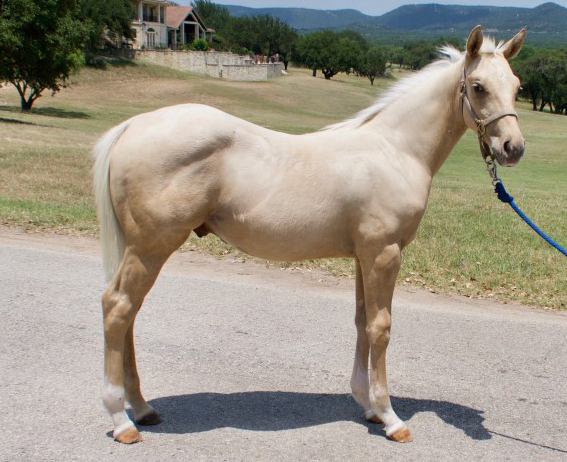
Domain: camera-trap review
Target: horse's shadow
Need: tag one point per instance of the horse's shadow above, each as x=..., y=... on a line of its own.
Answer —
x=279, y=410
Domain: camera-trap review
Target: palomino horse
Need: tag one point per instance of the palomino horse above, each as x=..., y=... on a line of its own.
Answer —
x=357, y=189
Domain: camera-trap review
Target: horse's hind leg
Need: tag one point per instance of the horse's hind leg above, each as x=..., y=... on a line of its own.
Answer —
x=121, y=302
x=143, y=412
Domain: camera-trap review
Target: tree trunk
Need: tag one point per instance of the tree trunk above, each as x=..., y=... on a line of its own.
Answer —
x=285, y=63
x=328, y=74
x=26, y=104
x=314, y=72
x=371, y=80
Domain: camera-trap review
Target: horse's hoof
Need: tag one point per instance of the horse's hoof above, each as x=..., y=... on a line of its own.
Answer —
x=371, y=416
x=129, y=436
x=152, y=418
x=402, y=435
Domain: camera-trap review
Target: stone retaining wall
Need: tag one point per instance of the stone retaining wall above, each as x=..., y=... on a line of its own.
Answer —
x=222, y=65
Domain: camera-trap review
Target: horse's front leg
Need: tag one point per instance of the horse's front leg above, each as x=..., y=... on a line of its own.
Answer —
x=359, y=380
x=379, y=274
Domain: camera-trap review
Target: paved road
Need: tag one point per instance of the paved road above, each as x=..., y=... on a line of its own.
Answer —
x=248, y=363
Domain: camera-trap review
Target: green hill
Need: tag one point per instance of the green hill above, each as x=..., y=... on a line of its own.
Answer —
x=546, y=23
x=305, y=18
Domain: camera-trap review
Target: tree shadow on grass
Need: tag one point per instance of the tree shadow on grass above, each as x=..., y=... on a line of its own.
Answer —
x=15, y=121
x=103, y=62
x=279, y=410
x=48, y=111
x=121, y=62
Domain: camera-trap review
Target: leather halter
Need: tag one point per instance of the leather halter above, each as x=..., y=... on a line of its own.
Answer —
x=481, y=124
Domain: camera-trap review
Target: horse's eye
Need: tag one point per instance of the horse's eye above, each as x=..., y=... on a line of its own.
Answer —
x=477, y=87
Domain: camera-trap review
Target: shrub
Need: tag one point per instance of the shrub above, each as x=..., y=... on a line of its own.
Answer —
x=200, y=45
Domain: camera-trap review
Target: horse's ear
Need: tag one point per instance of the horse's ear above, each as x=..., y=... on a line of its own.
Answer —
x=474, y=42
x=512, y=47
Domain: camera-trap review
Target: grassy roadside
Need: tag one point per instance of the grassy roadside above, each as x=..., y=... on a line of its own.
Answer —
x=469, y=243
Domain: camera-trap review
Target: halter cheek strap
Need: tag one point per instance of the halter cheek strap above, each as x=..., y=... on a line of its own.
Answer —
x=481, y=124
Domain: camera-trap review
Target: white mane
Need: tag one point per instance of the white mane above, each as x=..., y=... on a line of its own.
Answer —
x=448, y=55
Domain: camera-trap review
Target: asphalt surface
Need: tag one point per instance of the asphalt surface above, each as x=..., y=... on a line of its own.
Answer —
x=249, y=363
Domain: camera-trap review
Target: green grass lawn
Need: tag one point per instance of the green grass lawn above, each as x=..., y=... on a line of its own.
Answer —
x=469, y=243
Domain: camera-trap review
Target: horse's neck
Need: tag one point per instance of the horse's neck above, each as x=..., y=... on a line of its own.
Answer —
x=429, y=117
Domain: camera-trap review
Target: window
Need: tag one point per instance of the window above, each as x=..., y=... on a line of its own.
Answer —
x=150, y=13
x=151, y=38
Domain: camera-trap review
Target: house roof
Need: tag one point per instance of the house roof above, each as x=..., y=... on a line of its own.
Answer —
x=175, y=15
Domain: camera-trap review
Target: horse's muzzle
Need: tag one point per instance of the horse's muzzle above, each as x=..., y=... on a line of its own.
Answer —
x=509, y=153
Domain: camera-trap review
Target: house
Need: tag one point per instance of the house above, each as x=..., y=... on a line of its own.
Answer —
x=185, y=26
x=161, y=24
x=149, y=24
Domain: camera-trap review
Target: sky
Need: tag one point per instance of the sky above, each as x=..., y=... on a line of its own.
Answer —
x=373, y=7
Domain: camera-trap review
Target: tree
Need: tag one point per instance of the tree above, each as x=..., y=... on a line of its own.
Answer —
x=262, y=34
x=528, y=68
x=348, y=54
x=420, y=54
x=328, y=51
x=557, y=77
x=399, y=55
x=307, y=51
x=286, y=38
x=214, y=16
x=106, y=20
x=265, y=34
x=41, y=43
x=373, y=63
x=357, y=37
x=544, y=78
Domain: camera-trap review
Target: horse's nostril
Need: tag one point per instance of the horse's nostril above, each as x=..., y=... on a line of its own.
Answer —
x=508, y=148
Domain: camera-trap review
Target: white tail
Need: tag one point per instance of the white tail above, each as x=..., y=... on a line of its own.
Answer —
x=111, y=235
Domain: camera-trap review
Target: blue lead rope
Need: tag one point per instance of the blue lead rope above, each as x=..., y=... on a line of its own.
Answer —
x=505, y=197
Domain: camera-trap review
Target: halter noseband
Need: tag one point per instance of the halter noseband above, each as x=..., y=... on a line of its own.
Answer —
x=481, y=124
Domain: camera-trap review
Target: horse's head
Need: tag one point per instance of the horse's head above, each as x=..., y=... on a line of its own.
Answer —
x=489, y=90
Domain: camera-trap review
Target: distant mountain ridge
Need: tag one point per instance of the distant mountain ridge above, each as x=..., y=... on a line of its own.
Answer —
x=438, y=17
x=305, y=18
x=545, y=23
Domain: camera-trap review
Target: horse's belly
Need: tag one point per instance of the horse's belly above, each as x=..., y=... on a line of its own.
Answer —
x=283, y=243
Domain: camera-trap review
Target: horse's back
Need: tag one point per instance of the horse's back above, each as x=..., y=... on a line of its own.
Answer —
x=185, y=127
